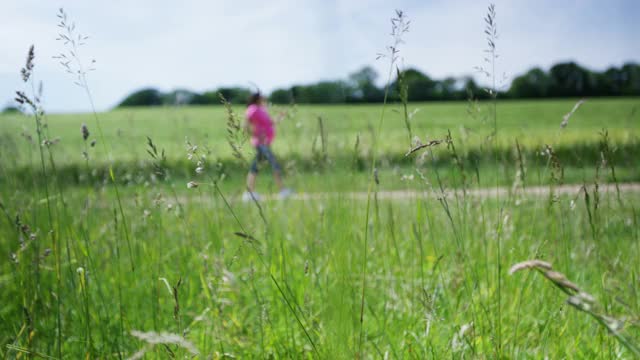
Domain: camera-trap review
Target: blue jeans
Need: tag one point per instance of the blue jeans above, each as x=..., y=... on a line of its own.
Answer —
x=263, y=152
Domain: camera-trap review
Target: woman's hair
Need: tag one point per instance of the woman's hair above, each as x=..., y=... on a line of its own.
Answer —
x=254, y=98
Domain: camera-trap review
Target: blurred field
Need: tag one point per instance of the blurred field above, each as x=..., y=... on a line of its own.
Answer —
x=87, y=268
x=533, y=124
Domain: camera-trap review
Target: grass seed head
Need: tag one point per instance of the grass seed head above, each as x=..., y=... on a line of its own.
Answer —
x=561, y=280
x=153, y=338
x=565, y=118
x=530, y=264
x=85, y=132
x=28, y=67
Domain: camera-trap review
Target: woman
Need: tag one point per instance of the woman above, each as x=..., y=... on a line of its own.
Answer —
x=262, y=133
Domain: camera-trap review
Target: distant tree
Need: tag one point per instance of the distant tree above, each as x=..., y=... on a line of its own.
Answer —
x=178, y=97
x=630, y=79
x=611, y=82
x=562, y=80
x=206, y=98
x=472, y=90
x=570, y=79
x=324, y=92
x=300, y=94
x=327, y=92
x=144, y=97
x=420, y=87
x=10, y=109
x=533, y=84
x=281, y=96
x=234, y=95
x=447, y=89
x=362, y=87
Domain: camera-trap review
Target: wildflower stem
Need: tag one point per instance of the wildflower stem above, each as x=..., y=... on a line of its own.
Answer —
x=398, y=28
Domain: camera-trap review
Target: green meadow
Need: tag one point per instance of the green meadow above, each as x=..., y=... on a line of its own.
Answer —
x=336, y=142
x=110, y=255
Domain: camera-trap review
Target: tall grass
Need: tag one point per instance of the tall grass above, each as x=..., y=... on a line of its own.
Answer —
x=399, y=26
x=34, y=105
x=73, y=64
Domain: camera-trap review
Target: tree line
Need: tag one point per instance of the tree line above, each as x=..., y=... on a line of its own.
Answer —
x=562, y=80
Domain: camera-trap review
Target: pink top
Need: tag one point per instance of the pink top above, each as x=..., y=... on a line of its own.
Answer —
x=262, y=130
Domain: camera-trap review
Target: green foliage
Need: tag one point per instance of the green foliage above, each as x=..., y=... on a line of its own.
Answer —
x=362, y=86
x=281, y=96
x=572, y=80
x=562, y=80
x=534, y=84
x=10, y=109
x=234, y=95
x=621, y=81
x=153, y=97
x=206, y=98
x=422, y=88
x=179, y=97
x=325, y=92
x=144, y=97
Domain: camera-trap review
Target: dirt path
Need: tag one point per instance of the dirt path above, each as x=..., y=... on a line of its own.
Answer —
x=538, y=191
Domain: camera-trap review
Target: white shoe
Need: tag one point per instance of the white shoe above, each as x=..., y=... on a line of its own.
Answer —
x=250, y=196
x=285, y=193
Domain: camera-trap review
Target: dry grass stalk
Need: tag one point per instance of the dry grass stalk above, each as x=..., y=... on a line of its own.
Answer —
x=565, y=118
x=237, y=137
x=153, y=338
x=245, y=236
x=422, y=146
x=530, y=264
x=581, y=300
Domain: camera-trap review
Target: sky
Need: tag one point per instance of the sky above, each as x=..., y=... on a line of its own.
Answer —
x=201, y=45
